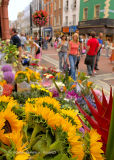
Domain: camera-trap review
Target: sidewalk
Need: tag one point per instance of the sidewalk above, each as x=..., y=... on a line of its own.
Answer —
x=104, y=78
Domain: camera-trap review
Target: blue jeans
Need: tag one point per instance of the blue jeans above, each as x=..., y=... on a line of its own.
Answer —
x=73, y=60
x=61, y=56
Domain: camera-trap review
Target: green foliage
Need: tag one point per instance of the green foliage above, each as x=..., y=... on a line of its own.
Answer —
x=21, y=97
x=11, y=53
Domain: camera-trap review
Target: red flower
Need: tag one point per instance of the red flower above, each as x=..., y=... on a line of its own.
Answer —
x=34, y=64
x=7, y=89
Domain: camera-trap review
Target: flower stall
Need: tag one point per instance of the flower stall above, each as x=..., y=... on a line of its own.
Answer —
x=46, y=116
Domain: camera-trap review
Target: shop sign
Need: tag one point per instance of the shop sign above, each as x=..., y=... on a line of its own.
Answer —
x=66, y=29
x=72, y=29
x=49, y=29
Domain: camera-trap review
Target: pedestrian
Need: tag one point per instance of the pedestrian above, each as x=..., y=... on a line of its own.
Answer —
x=100, y=39
x=63, y=46
x=107, y=47
x=23, y=41
x=15, y=40
x=112, y=54
x=37, y=50
x=92, y=48
x=55, y=43
x=73, y=53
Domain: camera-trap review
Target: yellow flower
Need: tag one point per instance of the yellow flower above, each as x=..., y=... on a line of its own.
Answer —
x=3, y=83
x=23, y=72
x=23, y=156
x=55, y=120
x=16, y=138
x=64, y=89
x=79, y=81
x=95, y=146
x=89, y=84
x=11, y=125
x=78, y=73
x=70, y=79
x=73, y=115
x=5, y=99
x=73, y=86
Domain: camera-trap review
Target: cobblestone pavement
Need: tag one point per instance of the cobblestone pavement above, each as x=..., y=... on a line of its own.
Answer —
x=104, y=78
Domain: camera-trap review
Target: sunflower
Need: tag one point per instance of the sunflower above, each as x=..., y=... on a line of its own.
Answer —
x=23, y=156
x=49, y=101
x=55, y=120
x=72, y=115
x=95, y=146
x=11, y=124
x=16, y=138
x=26, y=74
x=6, y=99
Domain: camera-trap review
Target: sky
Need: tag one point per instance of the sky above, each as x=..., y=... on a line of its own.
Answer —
x=16, y=6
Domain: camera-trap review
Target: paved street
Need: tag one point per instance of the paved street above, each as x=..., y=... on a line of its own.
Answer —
x=103, y=78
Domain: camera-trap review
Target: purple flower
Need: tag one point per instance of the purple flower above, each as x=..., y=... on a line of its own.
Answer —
x=72, y=95
x=82, y=130
x=6, y=68
x=54, y=92
x=9, y=77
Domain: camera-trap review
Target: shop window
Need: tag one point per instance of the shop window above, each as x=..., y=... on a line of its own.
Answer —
x=97, y=11
x=60, y=20
x=66, y=5
x=55, y=6
x=59, y=3
x=55, y=21
x=66, y=20
x=74, y=19
x=85, y=13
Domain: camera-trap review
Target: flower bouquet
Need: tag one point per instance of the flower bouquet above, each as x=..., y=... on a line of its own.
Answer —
x=40, y=18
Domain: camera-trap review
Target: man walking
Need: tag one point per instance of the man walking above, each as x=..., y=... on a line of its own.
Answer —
x=92, y=48
x=100, y=40
x=15, y=40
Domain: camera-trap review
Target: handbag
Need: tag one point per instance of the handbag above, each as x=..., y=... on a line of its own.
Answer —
x=89, y=60
x=59, y=50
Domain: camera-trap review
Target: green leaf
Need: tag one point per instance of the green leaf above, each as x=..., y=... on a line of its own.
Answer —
x=110, y=144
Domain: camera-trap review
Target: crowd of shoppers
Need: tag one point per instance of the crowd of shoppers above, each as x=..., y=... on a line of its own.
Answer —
x=70, y=49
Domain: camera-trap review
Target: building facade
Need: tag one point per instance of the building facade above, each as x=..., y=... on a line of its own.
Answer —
x=25, y=25
x=57, y=17
x=70, y=15
x=97, y=15
x=48, y=29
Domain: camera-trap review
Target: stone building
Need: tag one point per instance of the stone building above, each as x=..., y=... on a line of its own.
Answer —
x=57, y=16
x=98, y=16
x=48, y=29
x=70, y=15
x=4, y=21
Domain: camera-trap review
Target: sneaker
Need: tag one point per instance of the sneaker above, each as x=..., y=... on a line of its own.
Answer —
x=96, y=68
x=94, y=72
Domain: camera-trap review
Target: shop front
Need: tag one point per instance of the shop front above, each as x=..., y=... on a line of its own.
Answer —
x=69, y=30
x=48, y=32
x=57, y=31
x=105, y=25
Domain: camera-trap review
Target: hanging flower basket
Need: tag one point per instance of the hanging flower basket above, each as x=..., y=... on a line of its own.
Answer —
x=40, y=18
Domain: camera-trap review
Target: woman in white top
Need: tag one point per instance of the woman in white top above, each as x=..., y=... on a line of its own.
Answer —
x=37, y=49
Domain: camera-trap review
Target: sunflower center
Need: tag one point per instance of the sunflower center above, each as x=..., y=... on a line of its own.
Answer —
x=7, y=127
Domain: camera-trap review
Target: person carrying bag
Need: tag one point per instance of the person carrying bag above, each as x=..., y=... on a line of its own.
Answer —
x=92, y=48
